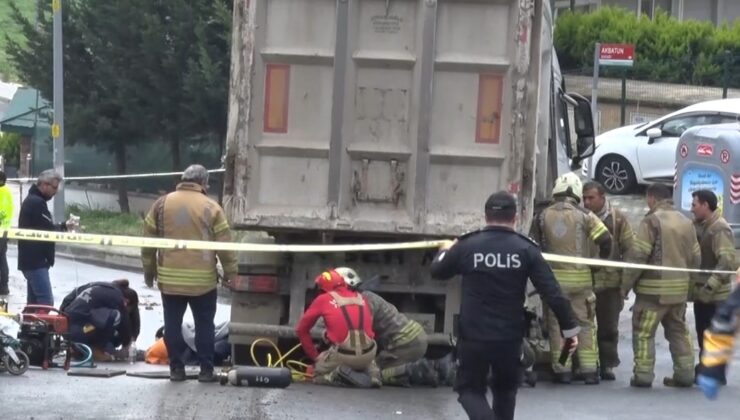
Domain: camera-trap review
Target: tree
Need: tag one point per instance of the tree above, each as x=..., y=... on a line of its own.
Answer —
x=188, y=62
x=103, y=89
x=134, y=71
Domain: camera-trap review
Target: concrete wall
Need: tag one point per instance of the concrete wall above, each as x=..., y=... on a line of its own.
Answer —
x=716, y=11
x=698, y=9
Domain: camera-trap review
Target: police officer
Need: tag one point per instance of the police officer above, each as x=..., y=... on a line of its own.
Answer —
x=495, y=263
x=566, y=228
x=665, y=237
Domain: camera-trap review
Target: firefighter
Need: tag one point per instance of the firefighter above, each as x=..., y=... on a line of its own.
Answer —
x=609, y=302
x=565, y=228
x=402, y=342
x=665, y=238
x=717, y=253
x=350, y=358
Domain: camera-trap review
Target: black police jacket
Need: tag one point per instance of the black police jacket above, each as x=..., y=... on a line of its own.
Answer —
x=35, y=214
x=495, y=263
x=97, y=305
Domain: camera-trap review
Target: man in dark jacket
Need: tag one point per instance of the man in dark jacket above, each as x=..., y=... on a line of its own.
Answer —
x=132, y=301
x=495, y=263
x=100, y=316
x=36, y=257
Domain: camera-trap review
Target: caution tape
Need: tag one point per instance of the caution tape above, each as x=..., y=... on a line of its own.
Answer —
x=112, y=177
x=164, y=243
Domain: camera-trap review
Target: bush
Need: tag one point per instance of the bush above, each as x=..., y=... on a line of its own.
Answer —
x=666, y=50
x=10, y=148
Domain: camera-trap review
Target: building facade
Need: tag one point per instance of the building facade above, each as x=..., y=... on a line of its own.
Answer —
x=715, y=11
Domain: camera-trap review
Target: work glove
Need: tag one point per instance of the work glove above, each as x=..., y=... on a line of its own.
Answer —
x=149, y=279
x=706, y=293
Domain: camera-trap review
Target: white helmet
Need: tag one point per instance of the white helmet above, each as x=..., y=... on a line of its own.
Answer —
x=350, y=276
x=569, y=184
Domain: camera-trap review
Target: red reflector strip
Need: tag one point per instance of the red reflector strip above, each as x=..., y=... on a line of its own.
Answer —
x=277, y=79
x=259, y=284
x=488, y=120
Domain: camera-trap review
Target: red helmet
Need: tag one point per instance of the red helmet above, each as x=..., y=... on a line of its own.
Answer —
x=329, y=280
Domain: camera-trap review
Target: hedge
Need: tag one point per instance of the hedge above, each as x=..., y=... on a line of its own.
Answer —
x=666, y=50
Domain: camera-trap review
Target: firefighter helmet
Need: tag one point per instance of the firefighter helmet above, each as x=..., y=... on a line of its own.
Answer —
x=350, y=276
x=329, y=280
x=569, y=184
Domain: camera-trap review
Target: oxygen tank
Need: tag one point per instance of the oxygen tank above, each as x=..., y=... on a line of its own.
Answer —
x=262, y=377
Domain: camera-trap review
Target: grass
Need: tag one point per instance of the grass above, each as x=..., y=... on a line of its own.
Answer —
x=10, y=29
x=107, y=222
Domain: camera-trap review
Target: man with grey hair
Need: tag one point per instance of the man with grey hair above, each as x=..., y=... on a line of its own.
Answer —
x=36, y=257
x=188, y=276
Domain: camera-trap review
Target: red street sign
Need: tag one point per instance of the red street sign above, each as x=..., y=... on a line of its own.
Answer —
x=684, y=150
x=704, y=150
x=616, y=54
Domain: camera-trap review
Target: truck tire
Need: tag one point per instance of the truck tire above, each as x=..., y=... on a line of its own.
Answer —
x=616, y=175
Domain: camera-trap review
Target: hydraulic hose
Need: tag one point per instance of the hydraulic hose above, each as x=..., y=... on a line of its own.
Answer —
x=299, y=371
x=87, y=353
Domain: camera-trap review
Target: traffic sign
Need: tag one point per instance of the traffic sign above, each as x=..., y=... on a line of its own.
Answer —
x=617, y=55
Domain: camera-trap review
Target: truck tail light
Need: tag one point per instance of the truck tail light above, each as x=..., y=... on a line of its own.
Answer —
x=256, y=284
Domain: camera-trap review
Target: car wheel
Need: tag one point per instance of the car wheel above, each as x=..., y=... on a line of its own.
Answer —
x=616, y=175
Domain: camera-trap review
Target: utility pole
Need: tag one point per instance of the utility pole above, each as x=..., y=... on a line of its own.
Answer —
x=57, y=129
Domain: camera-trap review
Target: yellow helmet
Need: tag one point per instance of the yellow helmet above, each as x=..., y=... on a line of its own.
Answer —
x=569, y=184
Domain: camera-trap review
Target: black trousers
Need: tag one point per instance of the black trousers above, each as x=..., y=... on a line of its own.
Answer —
x=4, y=267
x=204, y=310
x=703, y=313
x=476, y=359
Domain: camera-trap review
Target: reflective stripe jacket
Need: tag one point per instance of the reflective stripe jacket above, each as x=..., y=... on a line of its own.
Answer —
x=665, y=238
x=392, y=328
x=622, y=238
x=6, y=207
x=187, y=213
x=564, y=228
x=717, y=245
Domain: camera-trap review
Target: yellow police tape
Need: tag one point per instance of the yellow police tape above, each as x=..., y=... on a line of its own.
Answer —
x=163, y=243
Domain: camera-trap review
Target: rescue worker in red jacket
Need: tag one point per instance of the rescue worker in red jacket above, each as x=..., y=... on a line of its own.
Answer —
x=351, y=356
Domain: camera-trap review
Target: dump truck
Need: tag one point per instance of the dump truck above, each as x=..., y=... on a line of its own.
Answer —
x=376, y=121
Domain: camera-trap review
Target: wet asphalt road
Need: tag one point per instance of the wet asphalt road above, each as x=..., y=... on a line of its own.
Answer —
x=54, y=395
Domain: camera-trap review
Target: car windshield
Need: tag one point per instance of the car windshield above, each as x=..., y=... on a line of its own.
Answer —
x=642, y=125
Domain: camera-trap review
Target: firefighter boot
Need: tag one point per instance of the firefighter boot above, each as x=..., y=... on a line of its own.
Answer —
x=674, y=382
x=636, y=383
x=423, y=372
x=607, y=374
x=446, y=369
x=591, y=378
x=562, y=377
x=396, y=376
